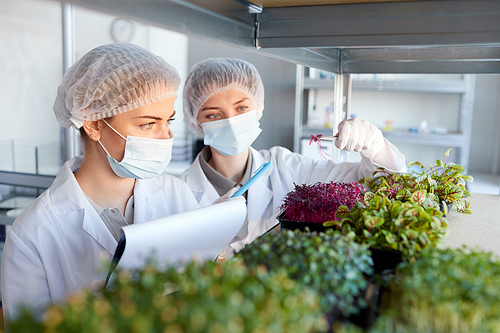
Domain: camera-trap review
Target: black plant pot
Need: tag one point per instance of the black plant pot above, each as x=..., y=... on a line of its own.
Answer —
x=385, y=259
x=294, y=225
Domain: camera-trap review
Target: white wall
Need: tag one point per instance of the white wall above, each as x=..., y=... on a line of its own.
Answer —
x=409, y=109
x=30, y=71
x=485, y=145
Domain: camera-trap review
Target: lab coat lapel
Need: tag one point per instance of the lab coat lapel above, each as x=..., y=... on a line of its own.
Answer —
x=149, y=201
x=68, y=200
x=203, y=191
x=260, y=193
x=96, y=228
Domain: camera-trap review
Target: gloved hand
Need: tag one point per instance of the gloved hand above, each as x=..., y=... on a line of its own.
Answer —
x=228, y=195
x=359, y=136
x=222, y=256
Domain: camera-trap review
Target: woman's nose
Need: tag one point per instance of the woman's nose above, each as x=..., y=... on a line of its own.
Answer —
x=230, y=113
x=165, y=133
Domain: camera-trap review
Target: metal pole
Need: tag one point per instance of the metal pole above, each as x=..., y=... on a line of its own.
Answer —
x=36, y=160
x=297, y=128
x=68, y=135
x=341, y=105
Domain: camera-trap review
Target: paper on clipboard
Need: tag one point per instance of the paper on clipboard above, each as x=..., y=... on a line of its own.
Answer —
x=200, y=234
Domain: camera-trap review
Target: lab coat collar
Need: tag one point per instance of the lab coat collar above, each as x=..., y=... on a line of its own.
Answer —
x=148, y=194
x=68, y=199
x=261, y=191
x=67, y=196
x=199, y=184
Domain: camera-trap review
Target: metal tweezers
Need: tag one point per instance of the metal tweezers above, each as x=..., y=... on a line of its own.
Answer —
x=330, y=138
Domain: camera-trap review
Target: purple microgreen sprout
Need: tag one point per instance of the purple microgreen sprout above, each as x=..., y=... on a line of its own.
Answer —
x=319, y=202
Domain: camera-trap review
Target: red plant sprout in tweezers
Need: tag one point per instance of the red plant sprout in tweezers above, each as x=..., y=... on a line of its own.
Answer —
x=322, y=152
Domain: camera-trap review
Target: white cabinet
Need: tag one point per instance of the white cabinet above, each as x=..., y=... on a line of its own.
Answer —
x=372, y=96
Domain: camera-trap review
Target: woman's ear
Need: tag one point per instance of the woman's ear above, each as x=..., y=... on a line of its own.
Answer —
x=92, y=129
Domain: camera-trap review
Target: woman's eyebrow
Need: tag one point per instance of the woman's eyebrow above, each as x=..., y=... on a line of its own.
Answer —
x=148, y=117
x=242, y=100
x=154, y=117
x=208, y=108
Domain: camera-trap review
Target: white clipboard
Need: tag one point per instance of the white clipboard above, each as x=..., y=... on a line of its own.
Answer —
x=199, y=234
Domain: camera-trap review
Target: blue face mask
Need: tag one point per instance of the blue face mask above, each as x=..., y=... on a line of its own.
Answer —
x=232, y=136
x=144, y=157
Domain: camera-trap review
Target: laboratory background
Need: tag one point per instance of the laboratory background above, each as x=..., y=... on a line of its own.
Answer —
x=32, y=65
x=412, y=110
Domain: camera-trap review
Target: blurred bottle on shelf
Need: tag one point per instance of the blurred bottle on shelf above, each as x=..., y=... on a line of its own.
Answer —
x=388, y=126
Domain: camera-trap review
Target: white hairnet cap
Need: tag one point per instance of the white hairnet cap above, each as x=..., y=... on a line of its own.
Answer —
x=112, y=79
x=218, y=74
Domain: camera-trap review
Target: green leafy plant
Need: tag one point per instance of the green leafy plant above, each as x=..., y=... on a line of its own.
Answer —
x=393, y=225
x=445, y=290
x=329, y=263
x=208, y=298
x=444, y=183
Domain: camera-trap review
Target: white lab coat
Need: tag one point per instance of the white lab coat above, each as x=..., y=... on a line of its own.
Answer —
x=266, y=194
x=57, y=245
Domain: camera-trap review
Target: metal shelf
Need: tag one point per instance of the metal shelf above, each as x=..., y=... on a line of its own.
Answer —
x=446, y=36
x=450, y=140
x=464, y=87
x=442, y=86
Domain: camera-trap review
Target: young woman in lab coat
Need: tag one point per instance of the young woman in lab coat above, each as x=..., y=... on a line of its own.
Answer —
x=223, y=100
x=121, y=97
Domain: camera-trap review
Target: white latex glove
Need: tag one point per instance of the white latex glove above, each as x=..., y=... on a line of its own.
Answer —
x=227, y=196
x=96, y=286
x=243, y=232
x=359, y=136
x=223, y=255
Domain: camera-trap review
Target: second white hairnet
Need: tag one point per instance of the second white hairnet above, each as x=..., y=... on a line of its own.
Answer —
x=112, y=79
x=217, y=74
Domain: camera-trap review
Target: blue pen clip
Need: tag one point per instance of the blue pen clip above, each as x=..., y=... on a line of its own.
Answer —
x=257, y=174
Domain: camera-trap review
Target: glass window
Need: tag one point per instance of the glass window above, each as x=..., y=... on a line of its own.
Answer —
x=30, y=71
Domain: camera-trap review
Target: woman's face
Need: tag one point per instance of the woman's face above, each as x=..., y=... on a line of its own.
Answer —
x=225, y=104
x=150, y=121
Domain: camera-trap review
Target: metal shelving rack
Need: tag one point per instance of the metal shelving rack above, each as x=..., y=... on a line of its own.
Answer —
x=460, y=140
x=339, y=36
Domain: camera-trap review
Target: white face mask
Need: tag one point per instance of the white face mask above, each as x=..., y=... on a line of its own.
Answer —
x=232, y=136
x=143, y=158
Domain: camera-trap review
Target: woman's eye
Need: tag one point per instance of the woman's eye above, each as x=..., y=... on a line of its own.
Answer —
x=170, y=120
x=242, y=108
x=213, y=116
x=147, y=126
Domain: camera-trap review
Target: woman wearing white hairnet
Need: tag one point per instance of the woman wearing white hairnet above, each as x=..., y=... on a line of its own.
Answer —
x=121, y=97
x=223, y=100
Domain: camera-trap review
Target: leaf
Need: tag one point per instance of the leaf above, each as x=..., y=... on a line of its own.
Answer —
x=369, y=196
x=341, y=212
x=415, y=211
x=447, y=153
x=333, y=223
x=391, y=239
x=416, y=163
x=410, y=233
x=367, y=234
x=372, y=221
x=419, y=196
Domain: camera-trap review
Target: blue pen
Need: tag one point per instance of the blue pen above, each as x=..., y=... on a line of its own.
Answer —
x=258, y=173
